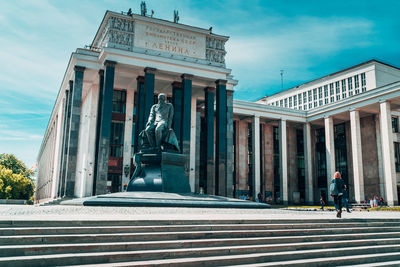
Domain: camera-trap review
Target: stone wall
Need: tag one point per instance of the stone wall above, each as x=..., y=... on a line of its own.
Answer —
x=292, y=162
x=242, y=160
x=268, y=158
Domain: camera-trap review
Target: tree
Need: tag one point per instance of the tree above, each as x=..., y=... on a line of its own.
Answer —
x=17, y=166
x=14, y=186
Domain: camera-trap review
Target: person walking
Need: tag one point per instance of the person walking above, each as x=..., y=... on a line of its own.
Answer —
x=336, y=191
x=346, y=198
x=322, y=201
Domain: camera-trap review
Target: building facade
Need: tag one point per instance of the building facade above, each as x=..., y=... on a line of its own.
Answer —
x=285, y=146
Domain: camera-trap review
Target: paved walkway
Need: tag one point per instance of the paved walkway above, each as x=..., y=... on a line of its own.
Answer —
x=65, y=212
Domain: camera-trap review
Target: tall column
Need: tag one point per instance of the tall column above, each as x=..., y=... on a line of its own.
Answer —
x=330, y=152
x=177, y=98
x=105, y=128
x=382, y=191
x=308, y=163
x=209, y=132
x=221, y=151
x=284, y=186
x=229, y=143
x=356, y=149
x=130, y=99
x=389, y=170
x=98, y=127
x=256, y=156
x=193, y=155
x=186, y=113
x=139, y=116
x=67, y=116
x=149, y=74
x=74, y=131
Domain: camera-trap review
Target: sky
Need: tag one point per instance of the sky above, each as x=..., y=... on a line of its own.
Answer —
x=305, y=39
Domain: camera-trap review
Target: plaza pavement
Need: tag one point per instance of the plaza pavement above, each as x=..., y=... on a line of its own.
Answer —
x=66, y=212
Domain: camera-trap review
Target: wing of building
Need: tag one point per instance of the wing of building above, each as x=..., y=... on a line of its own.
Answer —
x=285, y=146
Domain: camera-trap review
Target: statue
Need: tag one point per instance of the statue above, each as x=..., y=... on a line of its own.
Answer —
x=176, y=16
x=158, y=128
x=143, y=9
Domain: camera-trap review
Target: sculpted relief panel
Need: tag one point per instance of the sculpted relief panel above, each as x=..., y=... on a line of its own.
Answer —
x=126, y=34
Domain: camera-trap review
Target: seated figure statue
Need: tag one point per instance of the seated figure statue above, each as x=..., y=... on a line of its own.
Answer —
x=158, y=127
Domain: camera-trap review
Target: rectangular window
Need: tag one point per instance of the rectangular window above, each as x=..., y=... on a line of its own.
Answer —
x=395, y=124
x=344, y=86
x=350, y=83
x=364, y=89
x=299, y=95
x=326, y=101
x=281, y=103
x=337, y=86
x=285, y=102
x=290, y=102
x=331, y=91
x=118, y=102
x=305, y=107
x=325, y=90
x=276, y=103
x=304, y=97
x=295, y=100
x=320, y=102
x=332, y=99
x=309, y=96
x=310, y=105
x=319, y=92
x=300, y=107
x=337, y=97
x=315, y=93
x=356, y=81
x=343, y=95
x=315, y=104
x=116, y=139
x=363, y=82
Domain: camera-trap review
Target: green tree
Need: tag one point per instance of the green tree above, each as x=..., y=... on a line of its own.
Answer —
x=14, y=186
x=17, y=166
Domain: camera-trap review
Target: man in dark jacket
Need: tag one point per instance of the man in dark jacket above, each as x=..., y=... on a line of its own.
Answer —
x=336, y=190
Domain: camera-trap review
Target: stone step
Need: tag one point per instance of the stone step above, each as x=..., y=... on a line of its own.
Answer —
x=174, y=228
x=153, y=236
x=62, y=223
x=204, y=256
x=7, y=251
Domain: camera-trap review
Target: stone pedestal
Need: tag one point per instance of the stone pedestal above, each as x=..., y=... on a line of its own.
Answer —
x=160, y=172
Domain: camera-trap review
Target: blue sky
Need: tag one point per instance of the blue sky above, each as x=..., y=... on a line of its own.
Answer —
x=307, y=39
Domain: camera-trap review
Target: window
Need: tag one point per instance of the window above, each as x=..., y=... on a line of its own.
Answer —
x=395, y=124
x=331, y=91
x=299, y=96
x=356, y=81
x=315, y=93
x=344, y=85
x=295, y=100
x=276, y=103
x=310, y=105
x=337, y=97
x=325, y=90
x=309, y=96
x=343, y=95
x=326, y=101
x=319, y=92
x=363, y=83
x=315, y=104
x=300, y=107
x=304, y=97
x=332, y=99
x=337, y=86
x=320, y=102
x=116, y=139
x=118, y=102
x=305, y=107
x=290, y=102
x=350, y=83
x=397, y=155
x=285, y=102
x=281, y=103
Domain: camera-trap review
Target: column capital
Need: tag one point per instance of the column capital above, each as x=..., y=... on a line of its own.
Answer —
x=150, y=70
x=187, y=76
x=79, y=68
x=110, y=63
x=229, y=92
x=140, y=79
x=220, y=82
x=209, y=89
x=101, y=72
x=176, y=84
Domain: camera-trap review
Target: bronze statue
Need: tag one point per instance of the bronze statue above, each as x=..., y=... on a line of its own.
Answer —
x=158, y=128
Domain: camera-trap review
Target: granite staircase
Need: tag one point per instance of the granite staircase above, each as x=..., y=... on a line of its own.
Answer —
x=323, y=242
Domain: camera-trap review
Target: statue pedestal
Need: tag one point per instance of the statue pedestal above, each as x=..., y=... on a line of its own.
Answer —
x=160, y=172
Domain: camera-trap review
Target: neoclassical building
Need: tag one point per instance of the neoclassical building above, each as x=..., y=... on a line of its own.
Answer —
x=285, y=146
